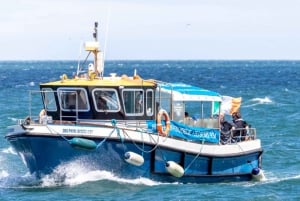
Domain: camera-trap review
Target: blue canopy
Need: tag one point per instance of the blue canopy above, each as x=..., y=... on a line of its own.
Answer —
x=185, y=92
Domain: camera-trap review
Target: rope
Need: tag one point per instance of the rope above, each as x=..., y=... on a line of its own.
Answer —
x=57, y=133
x=114, y=123
x=195, y=157
x=142, y=149
x=100, y=143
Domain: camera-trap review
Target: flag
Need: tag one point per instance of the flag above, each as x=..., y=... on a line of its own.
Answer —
x=230, y=105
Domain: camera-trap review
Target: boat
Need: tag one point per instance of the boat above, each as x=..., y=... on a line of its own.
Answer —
x=132, y=127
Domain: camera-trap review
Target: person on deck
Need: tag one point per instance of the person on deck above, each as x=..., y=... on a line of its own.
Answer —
x=239, y=127
x=225, y=129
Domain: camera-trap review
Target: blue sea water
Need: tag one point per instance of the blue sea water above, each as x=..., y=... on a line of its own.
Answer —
x=271, y=99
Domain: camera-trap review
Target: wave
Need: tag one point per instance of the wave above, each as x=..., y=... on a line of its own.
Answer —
x=9, y=150
x=262, y=100
x=259, y=101
x=76, y=173
x=3, y=174
x=69, y=174
x=295, y=92
x=31, y=84
x=270, y=178
x=276, y=179
x=13, y=119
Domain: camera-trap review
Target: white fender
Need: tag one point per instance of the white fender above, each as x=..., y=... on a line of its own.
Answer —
x=258, y=174
x=134, y=158
x=174, y=169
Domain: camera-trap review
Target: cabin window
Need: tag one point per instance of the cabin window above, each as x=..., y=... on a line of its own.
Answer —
x=199, y=110
x=201, y=114
x=133, y=102
x=179, y=111
x=163, y=101
x=149, y=102
x=106, y=100
x=49, y=99
x=73, y=98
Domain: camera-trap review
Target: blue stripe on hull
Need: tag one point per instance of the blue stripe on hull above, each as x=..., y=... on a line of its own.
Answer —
x=43, y=154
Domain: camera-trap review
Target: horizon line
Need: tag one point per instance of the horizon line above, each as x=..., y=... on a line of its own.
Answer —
x=38, y=60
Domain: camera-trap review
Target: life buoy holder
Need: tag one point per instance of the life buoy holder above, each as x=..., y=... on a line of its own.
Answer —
x=159, y=127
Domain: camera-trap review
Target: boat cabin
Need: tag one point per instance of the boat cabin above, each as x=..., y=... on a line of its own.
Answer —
x=120, y=98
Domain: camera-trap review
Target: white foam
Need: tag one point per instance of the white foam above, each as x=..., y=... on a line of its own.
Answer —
x=276, y=179
x=9, y=150
x=259, y=101
x=13, y=119
x=3, y=174
x=270, y=178
x=76, y=173
x=262, y=100
x=31, y=84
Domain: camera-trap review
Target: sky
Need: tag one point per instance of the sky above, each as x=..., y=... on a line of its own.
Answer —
x=151, y=30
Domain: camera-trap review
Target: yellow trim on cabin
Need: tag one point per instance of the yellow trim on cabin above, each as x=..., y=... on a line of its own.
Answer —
x=105, y=82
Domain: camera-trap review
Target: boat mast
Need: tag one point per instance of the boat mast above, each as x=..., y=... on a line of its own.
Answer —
x=93, y=46
x=96, y=51
x=98, y=58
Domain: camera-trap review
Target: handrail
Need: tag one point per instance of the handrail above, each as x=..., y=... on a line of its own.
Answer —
x=58, y=107
x=76, y=109
x=238, y=135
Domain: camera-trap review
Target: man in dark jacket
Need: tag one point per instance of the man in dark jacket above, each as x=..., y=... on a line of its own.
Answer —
x=225, y=129
x=239, y=127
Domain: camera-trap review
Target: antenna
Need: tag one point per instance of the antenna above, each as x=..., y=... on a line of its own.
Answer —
x=78, y=64
x=95, y=34
x=106, y=36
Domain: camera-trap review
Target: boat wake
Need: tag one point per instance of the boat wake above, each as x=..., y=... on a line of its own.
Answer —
x=76, y=173
x=3, y=174
x=69, y=174
x=270, y=178
x=9, y=150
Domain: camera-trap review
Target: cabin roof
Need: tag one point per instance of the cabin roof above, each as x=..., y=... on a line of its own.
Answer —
x=185, y=92
x=124, y=80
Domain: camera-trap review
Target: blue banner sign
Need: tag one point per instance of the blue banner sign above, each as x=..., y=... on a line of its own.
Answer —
x=188, y=132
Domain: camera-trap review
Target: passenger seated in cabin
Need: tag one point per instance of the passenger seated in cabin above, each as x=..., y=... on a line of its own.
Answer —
x=71, y=101
x=139, y=102
x=101, y=104
x=239, y=127
x=225, y=129
x=187, y=119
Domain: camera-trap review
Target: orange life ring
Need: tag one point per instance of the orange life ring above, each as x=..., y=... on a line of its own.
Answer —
x=159, y=126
